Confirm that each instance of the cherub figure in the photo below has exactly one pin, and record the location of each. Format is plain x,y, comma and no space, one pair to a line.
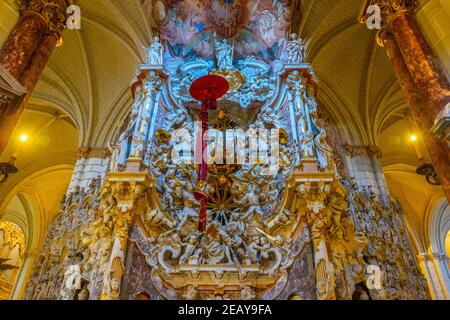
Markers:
190,245
251,203
231,237
336,206
187,212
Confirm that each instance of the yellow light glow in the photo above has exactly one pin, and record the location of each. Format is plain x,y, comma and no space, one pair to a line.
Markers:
24,138
413,138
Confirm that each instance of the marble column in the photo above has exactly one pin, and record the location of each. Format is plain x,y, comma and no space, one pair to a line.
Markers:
430,76
21,43
423,79
27,50
423,115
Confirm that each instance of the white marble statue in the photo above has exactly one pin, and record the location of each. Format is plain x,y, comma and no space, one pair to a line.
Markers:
295,49
324,151
154,52
224,54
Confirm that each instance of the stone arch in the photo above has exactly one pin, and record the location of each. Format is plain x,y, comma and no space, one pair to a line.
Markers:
436,260
31,209
439,226
12,248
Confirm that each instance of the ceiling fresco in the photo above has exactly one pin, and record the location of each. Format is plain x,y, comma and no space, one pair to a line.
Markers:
255,27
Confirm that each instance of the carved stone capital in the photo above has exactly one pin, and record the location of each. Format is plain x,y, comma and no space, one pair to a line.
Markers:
363,151
374,151
83,152
52,11
126,188
389,9
431,256
88,152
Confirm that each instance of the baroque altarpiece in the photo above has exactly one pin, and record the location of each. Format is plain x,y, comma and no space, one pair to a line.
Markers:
295,228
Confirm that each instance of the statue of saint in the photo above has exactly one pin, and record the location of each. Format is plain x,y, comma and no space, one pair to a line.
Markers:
295,49
126,137
323,150
154,52
224,54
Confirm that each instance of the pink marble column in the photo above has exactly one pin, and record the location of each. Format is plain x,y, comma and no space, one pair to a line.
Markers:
423,79
429,75
27,50
423,113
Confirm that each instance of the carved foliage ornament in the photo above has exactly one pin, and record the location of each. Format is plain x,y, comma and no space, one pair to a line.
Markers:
388,8
52,11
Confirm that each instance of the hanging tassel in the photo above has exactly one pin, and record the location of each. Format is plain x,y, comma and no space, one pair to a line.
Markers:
202,215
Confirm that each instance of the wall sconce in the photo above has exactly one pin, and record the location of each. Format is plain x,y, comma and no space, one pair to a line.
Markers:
7,168
425,169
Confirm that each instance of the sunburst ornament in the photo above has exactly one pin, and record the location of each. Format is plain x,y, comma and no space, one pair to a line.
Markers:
234,77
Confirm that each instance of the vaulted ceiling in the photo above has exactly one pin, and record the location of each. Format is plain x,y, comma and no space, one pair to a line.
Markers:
84,90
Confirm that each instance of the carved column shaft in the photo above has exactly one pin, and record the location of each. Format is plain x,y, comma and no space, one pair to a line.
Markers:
92,163
116,265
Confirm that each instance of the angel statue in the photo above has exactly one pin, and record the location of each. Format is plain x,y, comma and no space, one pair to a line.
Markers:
154,52
295,49
224,54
